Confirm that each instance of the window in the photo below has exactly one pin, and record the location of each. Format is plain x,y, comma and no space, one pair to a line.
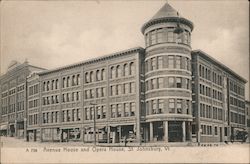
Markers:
52,84
187,84
103,74
92,113
77,79
126,70
48,85
178,82
154,83
178,62
98,75
126,88
68,82
170,61
179,106
127,110
104,112
171,106
73,81
153,37
132,68
170,36
119,110
160,82
103,92
171,82
113,111
87,113
215,130
91,76
87,77
132,109
98,108
153,63
119,89
160,62
118,71
160,104
132,87
160,36
91,93
154,106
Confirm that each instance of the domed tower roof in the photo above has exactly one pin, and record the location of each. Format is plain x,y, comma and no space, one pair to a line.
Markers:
166,14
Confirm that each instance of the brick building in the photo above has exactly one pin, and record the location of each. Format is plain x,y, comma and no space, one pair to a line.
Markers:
13,98
164,92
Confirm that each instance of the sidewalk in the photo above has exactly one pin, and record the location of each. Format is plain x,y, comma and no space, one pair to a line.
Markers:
14,142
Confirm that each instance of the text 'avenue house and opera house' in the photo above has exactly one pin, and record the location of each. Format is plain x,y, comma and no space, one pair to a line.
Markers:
164,92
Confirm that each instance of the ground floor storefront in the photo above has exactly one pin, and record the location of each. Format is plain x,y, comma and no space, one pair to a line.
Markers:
154,131
167,131
13,129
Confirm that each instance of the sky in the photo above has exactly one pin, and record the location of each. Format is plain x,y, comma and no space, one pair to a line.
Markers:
55,33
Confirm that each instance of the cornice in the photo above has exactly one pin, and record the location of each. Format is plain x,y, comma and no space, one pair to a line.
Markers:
95,60
165,20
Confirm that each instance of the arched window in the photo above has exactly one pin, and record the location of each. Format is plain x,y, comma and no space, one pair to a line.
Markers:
64,82
118,71
52,84
48,86
56,87
132,68
73,80
98,75
68,81
103,74
44,86
203,72
86,77
113,73
126,70
91,76
78,79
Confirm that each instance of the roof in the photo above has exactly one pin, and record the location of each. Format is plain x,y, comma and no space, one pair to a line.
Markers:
166,11
167,14
219,64
90,61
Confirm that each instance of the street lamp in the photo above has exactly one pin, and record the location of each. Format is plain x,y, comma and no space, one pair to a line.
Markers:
94,104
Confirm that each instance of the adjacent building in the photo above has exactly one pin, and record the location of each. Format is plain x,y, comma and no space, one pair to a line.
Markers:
162,93
248,119
13,98
218,100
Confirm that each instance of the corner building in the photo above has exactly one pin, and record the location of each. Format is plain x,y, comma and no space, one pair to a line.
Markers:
168,94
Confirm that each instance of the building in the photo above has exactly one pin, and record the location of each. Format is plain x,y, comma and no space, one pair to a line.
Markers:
218,100
13,98
162,93
248,119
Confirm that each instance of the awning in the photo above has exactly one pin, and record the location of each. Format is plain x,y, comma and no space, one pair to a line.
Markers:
3,127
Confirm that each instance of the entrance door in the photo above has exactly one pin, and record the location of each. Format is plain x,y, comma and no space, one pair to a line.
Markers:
175,131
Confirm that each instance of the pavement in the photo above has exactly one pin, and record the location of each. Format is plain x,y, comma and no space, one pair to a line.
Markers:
19,151
13,142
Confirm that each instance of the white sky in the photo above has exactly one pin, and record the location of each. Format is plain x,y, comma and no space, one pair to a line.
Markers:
56,33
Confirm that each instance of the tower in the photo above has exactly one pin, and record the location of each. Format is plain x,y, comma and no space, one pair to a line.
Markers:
168,76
